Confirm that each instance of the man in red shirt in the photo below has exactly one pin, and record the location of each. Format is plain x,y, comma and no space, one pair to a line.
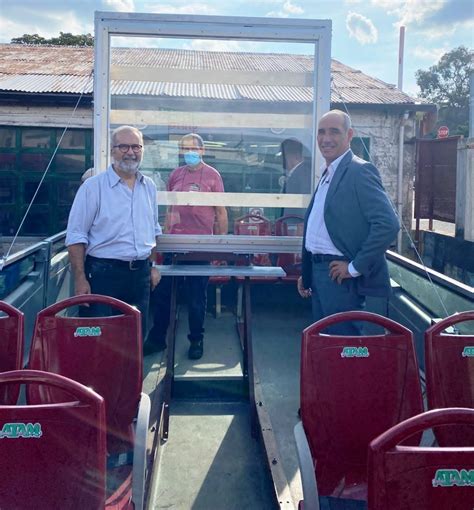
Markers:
194,176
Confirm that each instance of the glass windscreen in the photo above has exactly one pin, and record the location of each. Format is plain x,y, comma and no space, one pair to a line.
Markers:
250,102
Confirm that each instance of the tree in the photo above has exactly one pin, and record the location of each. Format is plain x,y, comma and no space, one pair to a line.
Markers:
447,85
64,39
29,39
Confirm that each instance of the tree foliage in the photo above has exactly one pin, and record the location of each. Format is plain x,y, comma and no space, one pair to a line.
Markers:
64,39
447,85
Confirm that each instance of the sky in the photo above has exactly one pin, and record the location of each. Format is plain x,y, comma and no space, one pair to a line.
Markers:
365,33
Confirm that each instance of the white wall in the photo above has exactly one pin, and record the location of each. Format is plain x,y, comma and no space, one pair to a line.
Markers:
383,129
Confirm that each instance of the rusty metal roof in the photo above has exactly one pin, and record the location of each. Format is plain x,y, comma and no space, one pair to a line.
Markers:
67,70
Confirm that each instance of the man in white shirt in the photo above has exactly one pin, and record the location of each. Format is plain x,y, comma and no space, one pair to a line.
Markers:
113,227
349,225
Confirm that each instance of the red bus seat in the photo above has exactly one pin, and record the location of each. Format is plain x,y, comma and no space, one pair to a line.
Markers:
255,225
353,389
11,348
449,360
52,455
291,225
422,478
104,353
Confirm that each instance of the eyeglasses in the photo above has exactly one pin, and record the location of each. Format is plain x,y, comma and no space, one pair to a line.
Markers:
125,147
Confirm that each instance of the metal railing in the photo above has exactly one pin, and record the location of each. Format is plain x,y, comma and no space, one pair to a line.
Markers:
40,275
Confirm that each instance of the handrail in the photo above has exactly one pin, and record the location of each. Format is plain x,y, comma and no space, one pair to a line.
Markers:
15,257
439,278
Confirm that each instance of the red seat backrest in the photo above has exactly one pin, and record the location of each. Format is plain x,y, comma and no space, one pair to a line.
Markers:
449,361
104,353
291,225
11,348
52,455
421,478
254,225
352,390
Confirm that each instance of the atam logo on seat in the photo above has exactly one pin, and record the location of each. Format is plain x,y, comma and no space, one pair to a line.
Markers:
468,351
18,430
454,478
88,331
355,352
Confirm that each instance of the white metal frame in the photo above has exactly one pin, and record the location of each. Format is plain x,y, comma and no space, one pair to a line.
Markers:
107,24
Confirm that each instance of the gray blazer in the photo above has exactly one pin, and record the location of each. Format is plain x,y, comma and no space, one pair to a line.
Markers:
361,223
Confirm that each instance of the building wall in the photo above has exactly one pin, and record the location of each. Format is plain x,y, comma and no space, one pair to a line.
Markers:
45,116
383,129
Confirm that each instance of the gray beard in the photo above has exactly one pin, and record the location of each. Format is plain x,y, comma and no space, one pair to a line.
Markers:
128,166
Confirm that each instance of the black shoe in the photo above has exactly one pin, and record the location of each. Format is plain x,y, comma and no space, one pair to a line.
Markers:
152,347
195,350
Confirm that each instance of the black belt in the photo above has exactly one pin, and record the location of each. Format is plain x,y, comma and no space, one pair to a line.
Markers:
132,265
323,257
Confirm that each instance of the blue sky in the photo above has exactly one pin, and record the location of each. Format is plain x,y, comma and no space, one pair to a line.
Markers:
365,32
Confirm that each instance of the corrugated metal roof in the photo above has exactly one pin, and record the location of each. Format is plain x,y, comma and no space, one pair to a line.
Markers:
47,83
67,70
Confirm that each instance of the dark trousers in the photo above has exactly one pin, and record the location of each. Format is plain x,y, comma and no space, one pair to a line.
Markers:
329,297
118,281
194,288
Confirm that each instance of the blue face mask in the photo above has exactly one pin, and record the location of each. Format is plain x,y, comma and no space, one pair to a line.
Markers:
192,158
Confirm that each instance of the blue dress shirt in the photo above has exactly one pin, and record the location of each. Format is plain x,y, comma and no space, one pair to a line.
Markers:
112,220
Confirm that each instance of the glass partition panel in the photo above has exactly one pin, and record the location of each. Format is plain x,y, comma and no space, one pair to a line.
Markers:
70,163
32,162
72,139
7,162
37,138
42,194
7,138
252,104
7,190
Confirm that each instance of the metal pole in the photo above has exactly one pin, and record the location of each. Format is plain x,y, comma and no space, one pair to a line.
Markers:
401,138
401,49
471,105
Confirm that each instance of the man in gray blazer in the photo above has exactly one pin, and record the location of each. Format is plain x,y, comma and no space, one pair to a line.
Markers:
297,166
349,225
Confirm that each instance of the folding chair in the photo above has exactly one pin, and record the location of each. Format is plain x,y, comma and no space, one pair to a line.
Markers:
11,347
449,360
52,455
104,353
352,389
422,478
290,225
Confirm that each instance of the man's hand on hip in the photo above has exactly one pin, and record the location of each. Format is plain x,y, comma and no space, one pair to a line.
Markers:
338,270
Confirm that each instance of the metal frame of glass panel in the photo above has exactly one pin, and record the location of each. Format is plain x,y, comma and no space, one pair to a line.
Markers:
108,24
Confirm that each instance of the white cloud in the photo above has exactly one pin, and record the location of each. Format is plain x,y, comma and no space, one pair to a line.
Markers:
361,28
291,8
214,45
287,9
195,8
48,26
430,54
410,11
10,29
437,32
121,5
